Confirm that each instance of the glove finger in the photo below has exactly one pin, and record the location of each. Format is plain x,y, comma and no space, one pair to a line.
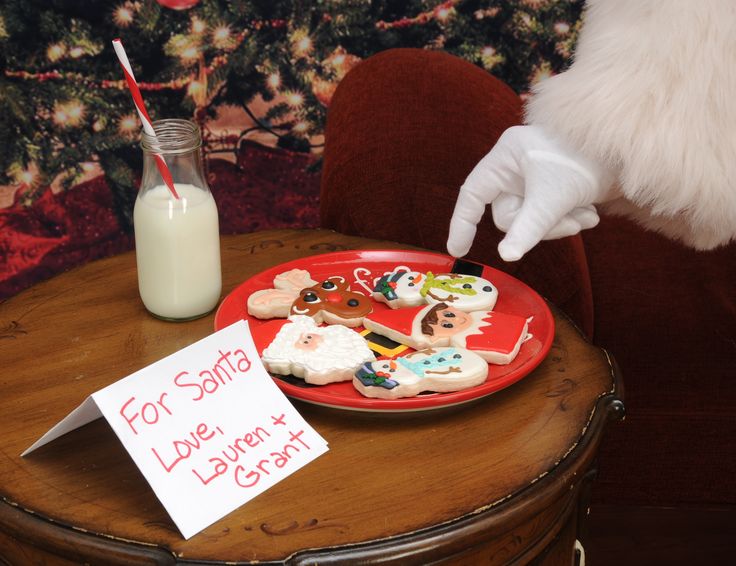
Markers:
577,220
531,224
567,226
461,236
497,171
506,207
484,183
586,216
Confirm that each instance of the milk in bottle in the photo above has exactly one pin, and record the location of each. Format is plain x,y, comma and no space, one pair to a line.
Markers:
177,240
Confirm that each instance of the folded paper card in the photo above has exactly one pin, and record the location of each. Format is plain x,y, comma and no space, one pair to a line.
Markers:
207,427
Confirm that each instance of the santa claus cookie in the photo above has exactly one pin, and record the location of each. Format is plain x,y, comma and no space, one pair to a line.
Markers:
494,336
319,355
276,302
434,369
332,302
412,288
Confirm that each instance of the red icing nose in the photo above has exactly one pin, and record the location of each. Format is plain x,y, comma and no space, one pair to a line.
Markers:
334,298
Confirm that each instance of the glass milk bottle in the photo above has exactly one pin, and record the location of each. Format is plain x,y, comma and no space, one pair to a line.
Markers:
177,240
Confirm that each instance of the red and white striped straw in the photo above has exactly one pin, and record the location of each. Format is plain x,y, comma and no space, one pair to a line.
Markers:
142,113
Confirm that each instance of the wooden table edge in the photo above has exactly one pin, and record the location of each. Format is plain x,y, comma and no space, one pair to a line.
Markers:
468,530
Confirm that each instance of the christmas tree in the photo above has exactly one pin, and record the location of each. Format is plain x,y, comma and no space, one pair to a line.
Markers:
65,110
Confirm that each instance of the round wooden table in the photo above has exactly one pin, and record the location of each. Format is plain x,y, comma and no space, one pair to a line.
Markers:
502,480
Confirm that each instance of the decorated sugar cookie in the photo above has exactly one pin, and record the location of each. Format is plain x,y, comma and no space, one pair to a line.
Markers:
434,369
319,355
276,302
293,280
412,288
495,336
400,289
294,292
463,292
331,302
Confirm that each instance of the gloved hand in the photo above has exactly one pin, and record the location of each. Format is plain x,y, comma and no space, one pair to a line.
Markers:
539,189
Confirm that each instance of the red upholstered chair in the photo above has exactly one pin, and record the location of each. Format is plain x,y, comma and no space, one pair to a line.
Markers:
404,129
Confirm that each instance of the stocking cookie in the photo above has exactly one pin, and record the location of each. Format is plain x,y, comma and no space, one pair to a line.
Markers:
331,302
319,355
494,336
440,370
276,302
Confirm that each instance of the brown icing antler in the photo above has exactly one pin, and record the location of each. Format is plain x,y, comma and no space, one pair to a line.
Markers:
276,302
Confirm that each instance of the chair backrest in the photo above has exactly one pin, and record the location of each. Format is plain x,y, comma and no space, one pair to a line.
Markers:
404,129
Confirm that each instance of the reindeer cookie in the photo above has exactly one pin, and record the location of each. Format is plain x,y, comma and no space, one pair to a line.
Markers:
434,369
331,302
296,293
276,302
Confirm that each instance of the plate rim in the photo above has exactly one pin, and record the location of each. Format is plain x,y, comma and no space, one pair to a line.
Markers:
420,403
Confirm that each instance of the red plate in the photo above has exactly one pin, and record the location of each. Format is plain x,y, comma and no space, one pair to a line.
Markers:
361,268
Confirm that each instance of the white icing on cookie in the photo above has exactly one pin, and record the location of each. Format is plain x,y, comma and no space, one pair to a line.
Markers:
276,302
440,370
400,289
319,355
270,303
464,292
293,280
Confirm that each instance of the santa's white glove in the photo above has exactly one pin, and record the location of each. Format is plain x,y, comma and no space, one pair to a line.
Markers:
540,189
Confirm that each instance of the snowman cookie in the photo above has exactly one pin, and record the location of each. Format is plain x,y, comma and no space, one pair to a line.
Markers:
434,369
400,289
463,292
412,288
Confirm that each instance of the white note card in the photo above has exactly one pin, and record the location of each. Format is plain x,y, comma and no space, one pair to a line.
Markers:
207,427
